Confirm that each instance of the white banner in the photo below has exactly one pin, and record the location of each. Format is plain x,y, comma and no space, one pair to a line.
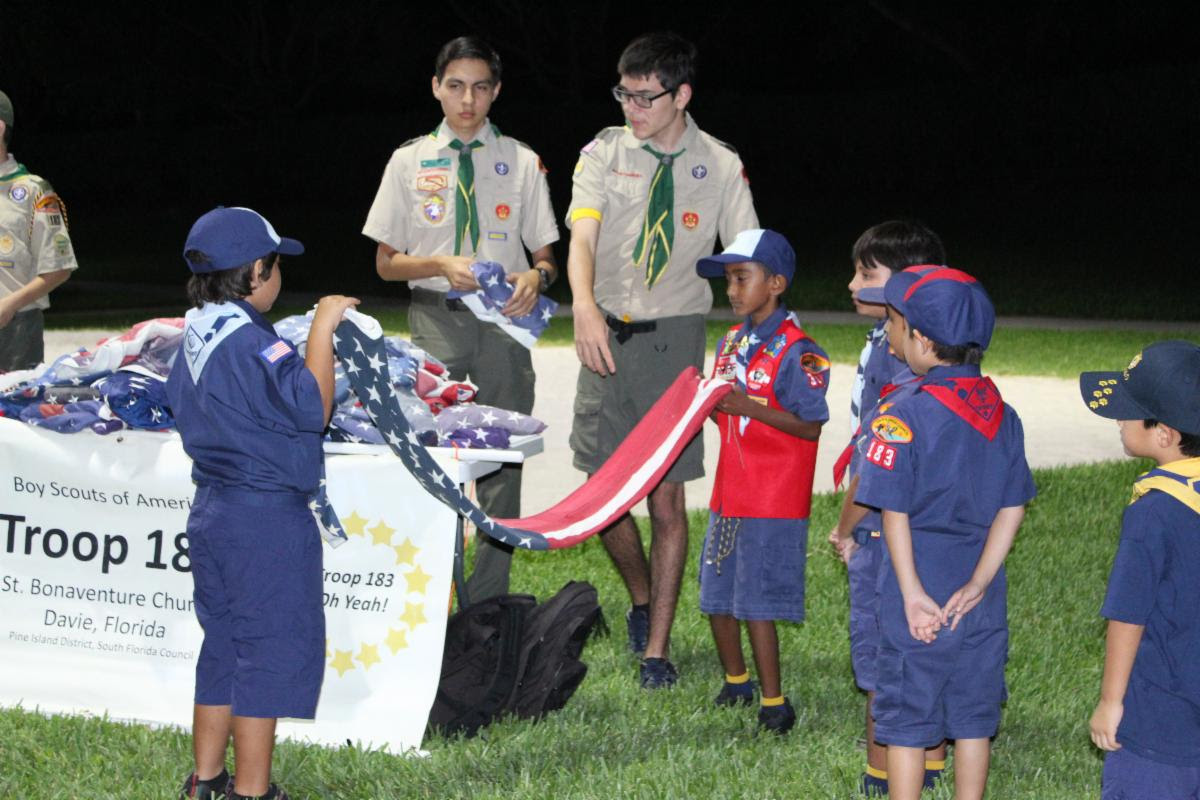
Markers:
96,598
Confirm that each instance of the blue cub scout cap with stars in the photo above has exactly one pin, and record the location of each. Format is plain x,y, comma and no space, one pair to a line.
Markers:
1162,382
231,237
765,247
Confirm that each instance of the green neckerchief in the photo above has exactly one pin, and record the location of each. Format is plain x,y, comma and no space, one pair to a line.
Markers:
466,216
1180,479
20,171
658,227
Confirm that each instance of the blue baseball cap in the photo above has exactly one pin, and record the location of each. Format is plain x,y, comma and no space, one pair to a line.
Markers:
1162,382
231,237
766,247
902,280
947,305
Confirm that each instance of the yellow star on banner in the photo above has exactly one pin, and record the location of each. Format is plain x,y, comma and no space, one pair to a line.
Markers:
414,614
354,524
417,579
381,533
368,655
342,662
406,551
397,640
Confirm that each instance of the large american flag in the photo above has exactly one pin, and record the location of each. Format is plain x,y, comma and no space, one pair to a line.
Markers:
628,476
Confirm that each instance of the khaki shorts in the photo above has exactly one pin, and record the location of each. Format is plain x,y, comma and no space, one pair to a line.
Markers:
607,408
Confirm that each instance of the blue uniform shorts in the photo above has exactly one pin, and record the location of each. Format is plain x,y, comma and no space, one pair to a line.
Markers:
257,570
863,572
752,568
1128,776
950,689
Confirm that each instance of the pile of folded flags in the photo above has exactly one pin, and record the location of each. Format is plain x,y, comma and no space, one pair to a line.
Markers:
119,384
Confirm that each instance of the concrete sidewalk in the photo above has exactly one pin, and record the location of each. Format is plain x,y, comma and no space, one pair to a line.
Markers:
1058,428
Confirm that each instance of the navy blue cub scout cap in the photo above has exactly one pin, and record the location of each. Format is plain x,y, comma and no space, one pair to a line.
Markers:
231,237
1162,382
947,305
766,247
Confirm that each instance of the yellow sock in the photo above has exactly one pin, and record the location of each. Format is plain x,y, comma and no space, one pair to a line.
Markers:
738,679
935,765
768,702
881,774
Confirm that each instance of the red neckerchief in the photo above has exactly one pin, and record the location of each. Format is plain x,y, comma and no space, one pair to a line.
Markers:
976,401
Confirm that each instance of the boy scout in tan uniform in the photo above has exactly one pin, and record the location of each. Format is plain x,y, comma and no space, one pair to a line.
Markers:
35,253
649,200
461,194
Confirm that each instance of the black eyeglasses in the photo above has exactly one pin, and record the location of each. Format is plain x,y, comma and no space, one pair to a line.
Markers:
622,96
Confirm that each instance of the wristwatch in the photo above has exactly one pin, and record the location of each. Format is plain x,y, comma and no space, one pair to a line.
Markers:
545,281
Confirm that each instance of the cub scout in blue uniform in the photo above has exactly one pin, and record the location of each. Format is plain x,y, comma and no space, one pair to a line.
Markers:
880,251
862,551
251,413
752,567
1148,717
947,468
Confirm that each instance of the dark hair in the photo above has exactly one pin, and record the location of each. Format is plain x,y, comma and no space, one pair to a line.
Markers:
897,244
667,55
467,47
227,284
1189,443
953,353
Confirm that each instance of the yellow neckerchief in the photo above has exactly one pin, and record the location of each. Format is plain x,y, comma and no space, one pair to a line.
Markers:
1180,479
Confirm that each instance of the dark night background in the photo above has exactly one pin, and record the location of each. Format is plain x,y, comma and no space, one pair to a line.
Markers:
1053,145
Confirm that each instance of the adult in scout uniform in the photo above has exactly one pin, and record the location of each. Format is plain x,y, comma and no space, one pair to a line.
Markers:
649,199
467,193
35,253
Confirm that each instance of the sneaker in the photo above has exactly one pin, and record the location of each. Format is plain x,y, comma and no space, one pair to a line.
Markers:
273,793
658,673
637,620
870,786
211,789
778,719
735,694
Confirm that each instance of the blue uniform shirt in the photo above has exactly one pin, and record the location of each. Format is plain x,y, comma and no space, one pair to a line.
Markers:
249,411
948,477
800,391
906,384
881,369
1154,583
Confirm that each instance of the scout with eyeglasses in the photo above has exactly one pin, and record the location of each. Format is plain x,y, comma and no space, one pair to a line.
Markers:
649,199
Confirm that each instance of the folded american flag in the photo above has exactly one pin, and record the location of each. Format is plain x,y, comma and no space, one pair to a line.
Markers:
486,304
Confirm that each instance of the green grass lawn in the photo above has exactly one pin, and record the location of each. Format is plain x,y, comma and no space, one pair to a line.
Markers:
614,740
1014,351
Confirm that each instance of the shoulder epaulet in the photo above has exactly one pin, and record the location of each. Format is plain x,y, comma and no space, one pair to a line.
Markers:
519,143
609,133
413,140
726,145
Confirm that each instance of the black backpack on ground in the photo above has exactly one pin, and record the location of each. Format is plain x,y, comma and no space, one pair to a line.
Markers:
509,655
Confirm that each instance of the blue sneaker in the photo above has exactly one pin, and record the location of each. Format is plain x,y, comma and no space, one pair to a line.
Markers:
637,620
658,673
777,719
735,694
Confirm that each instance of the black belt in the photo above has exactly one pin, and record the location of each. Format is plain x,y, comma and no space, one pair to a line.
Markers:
428,297
625,330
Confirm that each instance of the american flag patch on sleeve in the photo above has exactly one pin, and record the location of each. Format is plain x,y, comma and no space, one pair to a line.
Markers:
276,351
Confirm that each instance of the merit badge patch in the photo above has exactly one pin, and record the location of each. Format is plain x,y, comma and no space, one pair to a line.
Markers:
891,429
276,351
880,454
690,219
502,211
501,168
699,171
432,181
813,362
18,193
434,208
776,346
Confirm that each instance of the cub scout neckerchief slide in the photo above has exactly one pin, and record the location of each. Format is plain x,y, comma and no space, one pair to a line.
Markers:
628,476
1180,479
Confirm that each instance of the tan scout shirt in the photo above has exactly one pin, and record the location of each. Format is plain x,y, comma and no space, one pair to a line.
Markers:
612,184
33,231
414,208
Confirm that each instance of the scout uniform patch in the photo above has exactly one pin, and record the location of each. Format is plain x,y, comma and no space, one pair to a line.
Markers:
434,208
891,429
